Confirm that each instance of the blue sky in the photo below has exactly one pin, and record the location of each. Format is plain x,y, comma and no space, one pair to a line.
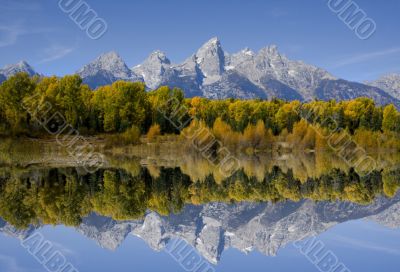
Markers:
39,32
360,245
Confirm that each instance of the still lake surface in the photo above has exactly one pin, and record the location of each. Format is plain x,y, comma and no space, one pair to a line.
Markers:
288,213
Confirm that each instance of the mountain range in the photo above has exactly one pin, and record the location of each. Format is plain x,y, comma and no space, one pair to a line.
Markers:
213,73
215,227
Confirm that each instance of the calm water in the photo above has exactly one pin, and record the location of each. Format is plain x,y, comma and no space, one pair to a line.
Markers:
282,215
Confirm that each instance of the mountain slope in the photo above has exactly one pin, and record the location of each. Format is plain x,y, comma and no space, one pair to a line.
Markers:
269,64
106,69
389,83
12,69
2,78
213,73
154,69
344,90
215,227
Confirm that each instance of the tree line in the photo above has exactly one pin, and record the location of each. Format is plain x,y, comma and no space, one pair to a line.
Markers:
66,195
122,106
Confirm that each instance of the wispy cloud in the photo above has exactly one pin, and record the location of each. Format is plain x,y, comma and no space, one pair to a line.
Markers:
64,250
343,240
366,57
9,33
10,264
55,52
21,5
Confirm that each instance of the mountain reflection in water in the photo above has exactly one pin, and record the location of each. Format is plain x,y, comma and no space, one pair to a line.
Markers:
263,206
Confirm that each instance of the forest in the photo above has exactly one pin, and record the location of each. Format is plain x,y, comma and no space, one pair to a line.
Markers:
39,106
66,195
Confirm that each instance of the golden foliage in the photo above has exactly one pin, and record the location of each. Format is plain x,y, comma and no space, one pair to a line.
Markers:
154,132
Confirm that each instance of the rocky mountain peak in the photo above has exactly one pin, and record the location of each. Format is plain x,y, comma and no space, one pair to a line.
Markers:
272,55
213,42
389,83
106,69
247,51
153,69
213,73
110,62
242,56
271,50
210,58
22,66
214,227
158,57
212,48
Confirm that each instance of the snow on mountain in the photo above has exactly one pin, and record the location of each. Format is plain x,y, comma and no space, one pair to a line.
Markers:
111,62
343,90
389,83
389,217
215,227
154,69
213,73
20,67
268,64
106,69
11,231
210,59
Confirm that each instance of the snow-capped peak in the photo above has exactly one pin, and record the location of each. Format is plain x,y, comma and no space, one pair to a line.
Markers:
12,69
213,45
247,51
214,41
271,52
213,73
211,60
158,56
108,57
272,49
110,62
152,70
389,83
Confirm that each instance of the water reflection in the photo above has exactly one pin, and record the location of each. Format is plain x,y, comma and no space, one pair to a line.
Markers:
214,227
66,195
270,202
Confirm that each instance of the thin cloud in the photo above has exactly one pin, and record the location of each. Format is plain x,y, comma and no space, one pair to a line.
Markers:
366,57
9,33
12,5
366,245
64,250
10,263
56,52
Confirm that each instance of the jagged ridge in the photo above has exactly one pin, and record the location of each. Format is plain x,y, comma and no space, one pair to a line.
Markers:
214,227
211,72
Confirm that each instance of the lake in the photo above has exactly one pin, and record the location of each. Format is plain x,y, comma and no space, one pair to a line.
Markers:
177,212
